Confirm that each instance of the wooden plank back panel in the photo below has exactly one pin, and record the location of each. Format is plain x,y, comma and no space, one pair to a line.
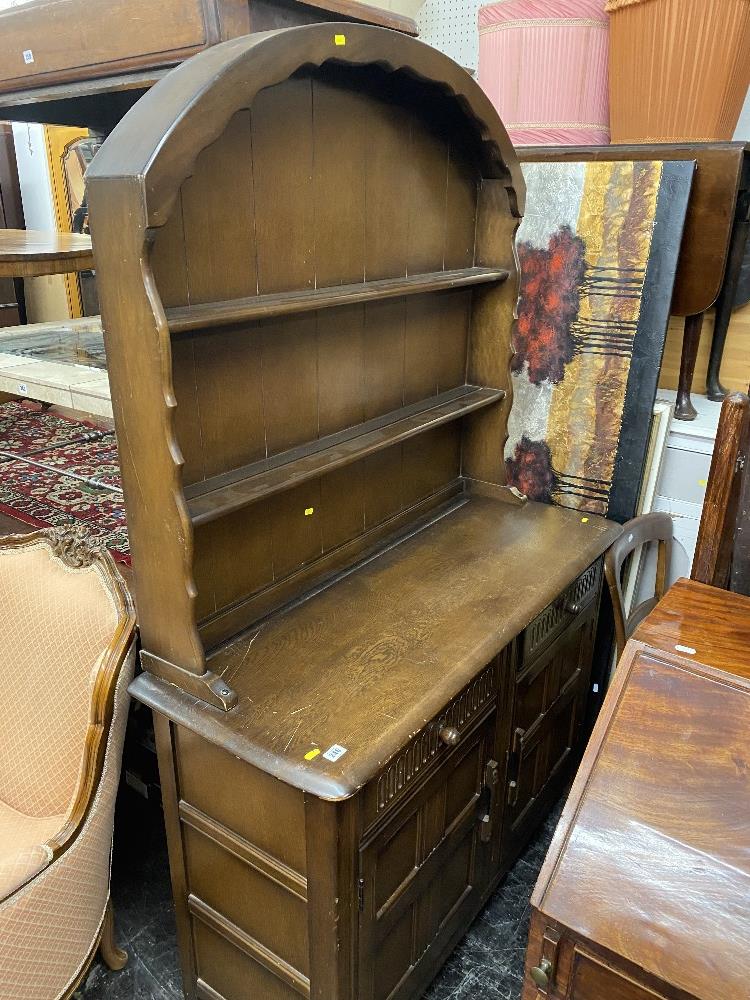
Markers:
243,560
332,197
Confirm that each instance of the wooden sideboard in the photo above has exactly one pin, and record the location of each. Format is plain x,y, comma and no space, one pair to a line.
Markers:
368,657
643,895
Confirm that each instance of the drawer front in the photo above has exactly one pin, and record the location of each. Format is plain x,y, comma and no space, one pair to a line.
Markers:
67,39
557,616
573,972
427,749
592,980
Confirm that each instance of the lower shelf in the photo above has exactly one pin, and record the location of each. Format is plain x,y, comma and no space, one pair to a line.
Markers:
229,492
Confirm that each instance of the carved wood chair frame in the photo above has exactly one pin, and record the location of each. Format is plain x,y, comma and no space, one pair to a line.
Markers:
78,551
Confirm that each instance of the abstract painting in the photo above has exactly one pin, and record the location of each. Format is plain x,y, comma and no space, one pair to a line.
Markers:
598,252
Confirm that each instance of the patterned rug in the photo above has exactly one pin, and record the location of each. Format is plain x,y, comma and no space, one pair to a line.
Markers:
55,470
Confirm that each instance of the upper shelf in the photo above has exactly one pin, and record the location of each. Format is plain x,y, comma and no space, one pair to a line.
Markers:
220,495
209,314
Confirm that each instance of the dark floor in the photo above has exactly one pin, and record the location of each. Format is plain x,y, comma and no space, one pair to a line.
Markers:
487,964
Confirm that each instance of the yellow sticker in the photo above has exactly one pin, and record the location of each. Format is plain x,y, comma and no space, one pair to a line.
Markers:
339,39
702,482
309,511
584,520
312,754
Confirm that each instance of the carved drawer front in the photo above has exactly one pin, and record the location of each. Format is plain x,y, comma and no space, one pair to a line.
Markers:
433,743
557,616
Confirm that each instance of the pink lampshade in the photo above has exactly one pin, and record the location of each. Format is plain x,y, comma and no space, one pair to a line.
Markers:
543,64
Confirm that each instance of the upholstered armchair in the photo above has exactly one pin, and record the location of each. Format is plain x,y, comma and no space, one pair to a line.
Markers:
66,659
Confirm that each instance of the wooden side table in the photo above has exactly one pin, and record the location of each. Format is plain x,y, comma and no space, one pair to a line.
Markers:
643,895
28,253
713,241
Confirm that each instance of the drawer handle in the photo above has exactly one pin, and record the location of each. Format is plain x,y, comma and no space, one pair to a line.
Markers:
449,735
541,973
572,608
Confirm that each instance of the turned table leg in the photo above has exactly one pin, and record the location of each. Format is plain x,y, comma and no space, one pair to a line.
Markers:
684,409
724,303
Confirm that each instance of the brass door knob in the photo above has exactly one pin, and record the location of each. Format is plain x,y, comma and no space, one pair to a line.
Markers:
541,973
449,735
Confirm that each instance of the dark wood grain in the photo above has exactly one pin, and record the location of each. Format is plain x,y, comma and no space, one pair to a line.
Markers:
232,491
197,317
712,562
441,597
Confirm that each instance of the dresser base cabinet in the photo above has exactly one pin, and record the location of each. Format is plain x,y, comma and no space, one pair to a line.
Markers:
281,894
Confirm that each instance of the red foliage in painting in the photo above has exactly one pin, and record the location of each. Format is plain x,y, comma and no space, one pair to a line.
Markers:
550,281
530,470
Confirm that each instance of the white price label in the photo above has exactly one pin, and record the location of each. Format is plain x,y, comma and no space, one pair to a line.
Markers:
22,388
334,752
28,56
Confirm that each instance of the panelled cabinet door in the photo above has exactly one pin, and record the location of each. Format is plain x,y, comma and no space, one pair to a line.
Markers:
549,710
425,871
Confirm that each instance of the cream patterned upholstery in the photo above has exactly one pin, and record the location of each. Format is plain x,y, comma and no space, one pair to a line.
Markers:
58,624
22,845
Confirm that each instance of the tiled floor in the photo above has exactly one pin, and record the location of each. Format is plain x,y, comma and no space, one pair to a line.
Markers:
487,964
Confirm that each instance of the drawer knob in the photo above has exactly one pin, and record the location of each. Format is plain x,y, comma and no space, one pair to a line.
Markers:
572,608
541,973
449,735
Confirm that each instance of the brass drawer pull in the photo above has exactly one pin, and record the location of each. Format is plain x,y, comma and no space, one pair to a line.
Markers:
541,973
449,735
572,608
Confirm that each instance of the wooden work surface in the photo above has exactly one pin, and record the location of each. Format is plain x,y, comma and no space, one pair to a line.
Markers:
713,623
650,865
402,634
28,253
708,225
